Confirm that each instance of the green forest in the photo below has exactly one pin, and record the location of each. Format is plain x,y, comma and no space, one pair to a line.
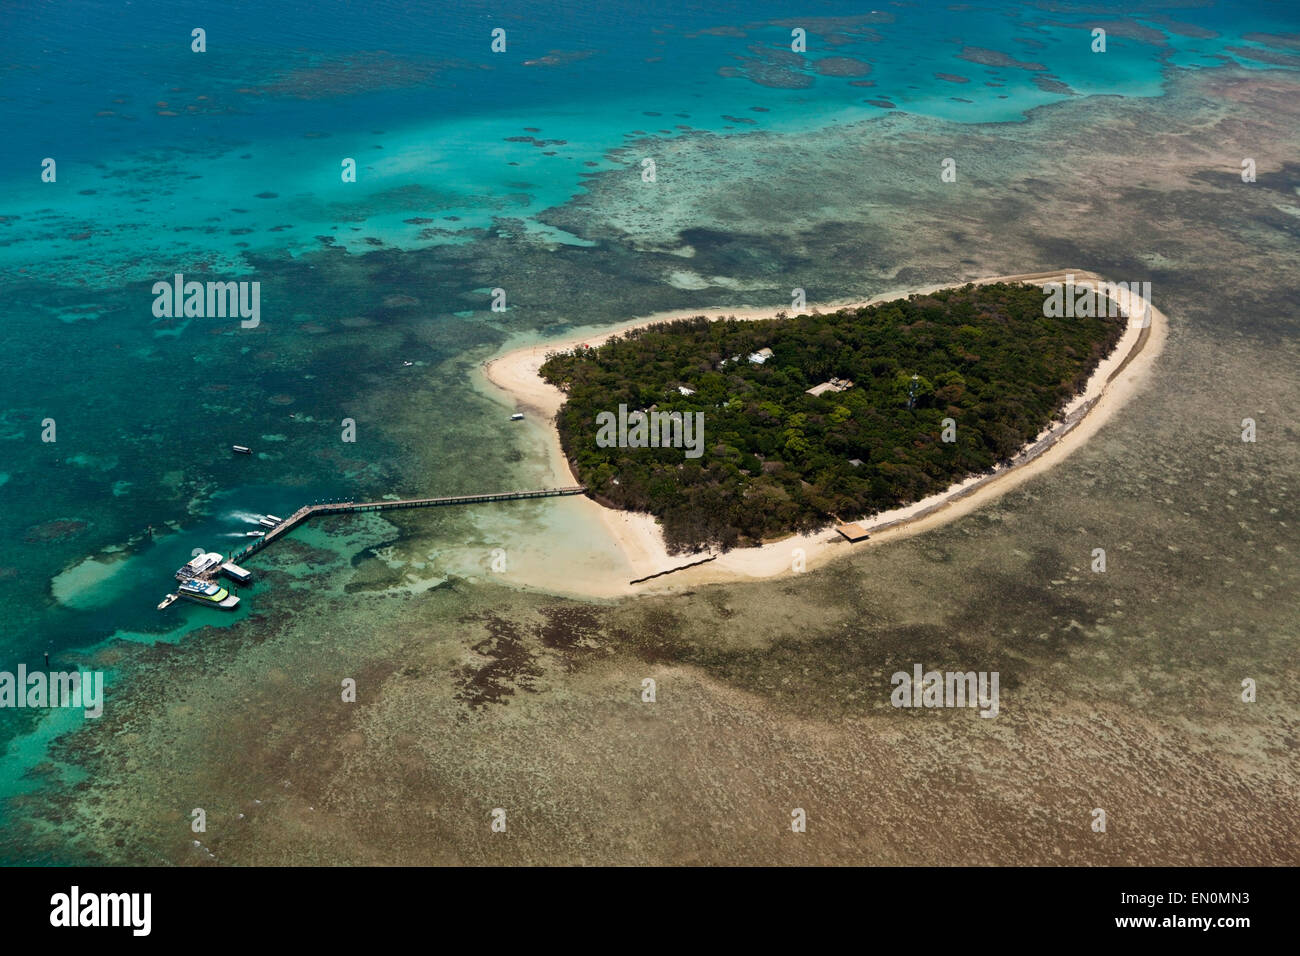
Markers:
777,460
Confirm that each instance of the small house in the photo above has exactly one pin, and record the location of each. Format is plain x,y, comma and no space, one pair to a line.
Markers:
834,385
853,532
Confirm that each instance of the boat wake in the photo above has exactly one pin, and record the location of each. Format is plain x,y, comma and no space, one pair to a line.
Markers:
245,516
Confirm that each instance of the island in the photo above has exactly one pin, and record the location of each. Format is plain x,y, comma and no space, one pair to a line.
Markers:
816,419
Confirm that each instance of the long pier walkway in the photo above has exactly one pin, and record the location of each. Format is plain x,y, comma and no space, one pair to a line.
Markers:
349,507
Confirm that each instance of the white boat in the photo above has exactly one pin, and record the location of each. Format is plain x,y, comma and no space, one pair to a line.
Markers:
517,417
254,534
200,565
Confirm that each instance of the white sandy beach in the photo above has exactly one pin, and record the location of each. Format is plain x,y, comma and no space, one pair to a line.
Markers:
513,378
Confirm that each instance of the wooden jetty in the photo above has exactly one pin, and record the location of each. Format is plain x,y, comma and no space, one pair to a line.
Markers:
354,507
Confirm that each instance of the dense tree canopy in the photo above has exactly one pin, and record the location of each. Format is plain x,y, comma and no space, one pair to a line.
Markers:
777,460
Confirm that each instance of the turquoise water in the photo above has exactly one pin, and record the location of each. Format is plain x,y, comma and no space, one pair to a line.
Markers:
226,165
250,163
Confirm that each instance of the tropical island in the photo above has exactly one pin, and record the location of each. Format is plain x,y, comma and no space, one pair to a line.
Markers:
818,418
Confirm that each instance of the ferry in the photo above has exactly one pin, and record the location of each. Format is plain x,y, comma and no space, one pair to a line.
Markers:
254,534
213,595
200,565
241,449
267,522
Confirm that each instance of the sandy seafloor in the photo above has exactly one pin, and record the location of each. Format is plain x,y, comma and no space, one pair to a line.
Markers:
1119,690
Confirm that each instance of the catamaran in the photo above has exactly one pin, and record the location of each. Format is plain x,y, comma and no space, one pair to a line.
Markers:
214,595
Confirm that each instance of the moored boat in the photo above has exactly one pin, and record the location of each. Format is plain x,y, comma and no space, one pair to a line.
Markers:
213,595
200,565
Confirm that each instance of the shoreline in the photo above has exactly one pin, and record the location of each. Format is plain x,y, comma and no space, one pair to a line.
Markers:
513,375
